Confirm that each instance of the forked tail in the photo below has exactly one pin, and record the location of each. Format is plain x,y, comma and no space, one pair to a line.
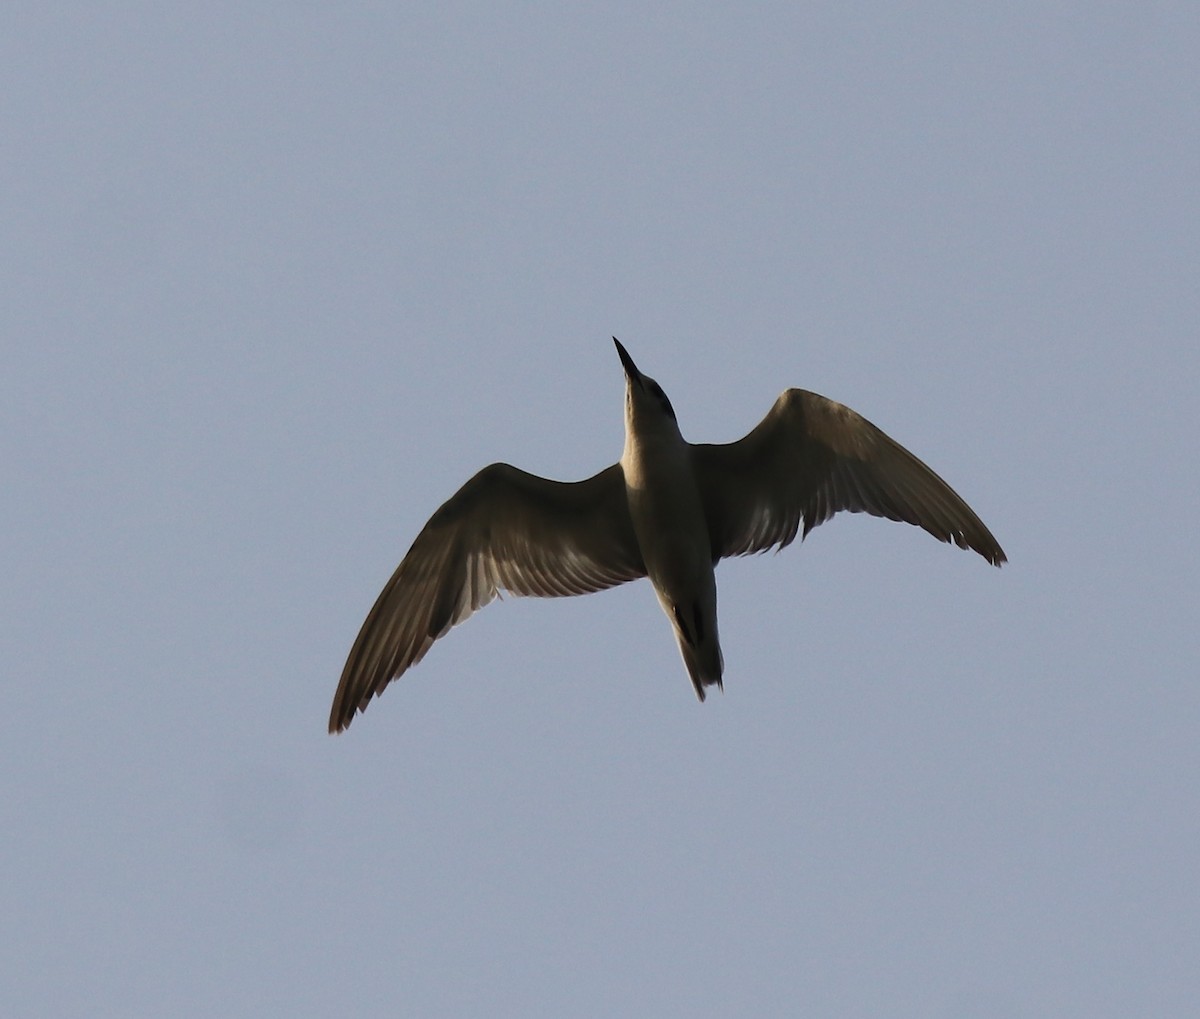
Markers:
699,645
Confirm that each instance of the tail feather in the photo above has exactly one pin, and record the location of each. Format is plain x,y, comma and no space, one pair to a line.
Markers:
704,662
694,620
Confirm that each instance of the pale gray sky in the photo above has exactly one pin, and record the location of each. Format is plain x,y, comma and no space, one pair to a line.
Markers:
277,278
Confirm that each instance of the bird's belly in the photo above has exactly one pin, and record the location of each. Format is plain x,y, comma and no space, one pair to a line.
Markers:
674,541
678,558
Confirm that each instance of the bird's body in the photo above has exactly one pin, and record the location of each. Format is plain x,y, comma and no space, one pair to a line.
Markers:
669,510
672,532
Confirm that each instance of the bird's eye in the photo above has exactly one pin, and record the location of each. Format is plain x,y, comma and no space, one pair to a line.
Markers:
661,397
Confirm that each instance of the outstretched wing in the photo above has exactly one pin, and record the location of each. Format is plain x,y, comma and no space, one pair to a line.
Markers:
811,457
503,530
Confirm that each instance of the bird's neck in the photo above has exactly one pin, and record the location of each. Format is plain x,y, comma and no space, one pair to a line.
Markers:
653,452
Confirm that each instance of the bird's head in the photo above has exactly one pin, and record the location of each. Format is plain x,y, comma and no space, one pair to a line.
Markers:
646,405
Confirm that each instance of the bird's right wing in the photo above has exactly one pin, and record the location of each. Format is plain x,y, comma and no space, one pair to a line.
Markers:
811,457
503,530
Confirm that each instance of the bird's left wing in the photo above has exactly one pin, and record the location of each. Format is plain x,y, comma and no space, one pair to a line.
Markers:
811,457
504,530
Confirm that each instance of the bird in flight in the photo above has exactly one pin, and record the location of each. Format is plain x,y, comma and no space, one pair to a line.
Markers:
668,510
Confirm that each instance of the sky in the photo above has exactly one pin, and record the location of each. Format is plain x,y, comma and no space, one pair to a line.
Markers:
278,278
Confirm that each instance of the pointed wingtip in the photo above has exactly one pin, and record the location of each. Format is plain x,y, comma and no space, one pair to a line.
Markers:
985,545
339,717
